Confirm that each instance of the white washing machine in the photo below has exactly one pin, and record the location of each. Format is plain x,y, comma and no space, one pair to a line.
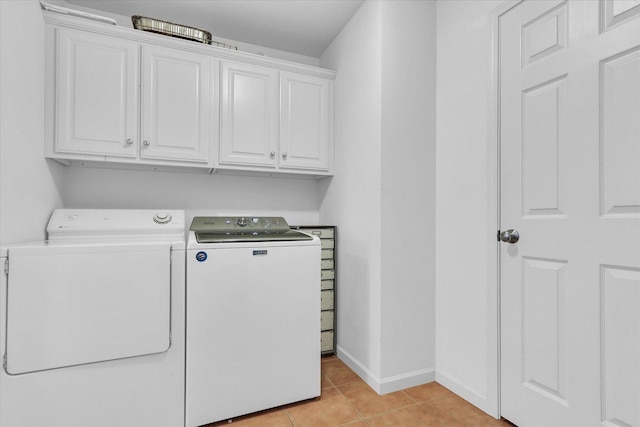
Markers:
253,317
92,322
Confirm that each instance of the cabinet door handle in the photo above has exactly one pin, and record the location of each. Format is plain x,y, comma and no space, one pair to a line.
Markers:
129,141
146,143
284,156
273,154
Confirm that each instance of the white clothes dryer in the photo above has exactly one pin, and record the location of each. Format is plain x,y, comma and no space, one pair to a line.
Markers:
92,326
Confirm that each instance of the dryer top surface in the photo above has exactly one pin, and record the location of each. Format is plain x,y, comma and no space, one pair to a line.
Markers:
116,225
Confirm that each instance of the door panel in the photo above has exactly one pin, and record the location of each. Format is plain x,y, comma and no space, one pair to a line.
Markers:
545,34
249,117
620,313
176,109
97,88
72,305
544,119
615,12
543,326
304,118
620,151
570,184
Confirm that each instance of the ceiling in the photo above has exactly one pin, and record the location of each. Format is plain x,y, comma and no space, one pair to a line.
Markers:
305,27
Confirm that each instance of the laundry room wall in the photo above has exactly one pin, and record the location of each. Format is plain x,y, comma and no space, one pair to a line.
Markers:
353,197
408,190
466,266
297,200
29,184
382,197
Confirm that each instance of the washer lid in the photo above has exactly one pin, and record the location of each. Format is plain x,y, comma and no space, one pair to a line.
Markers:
116,224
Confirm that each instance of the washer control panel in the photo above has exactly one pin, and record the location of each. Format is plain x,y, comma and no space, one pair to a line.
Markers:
239,225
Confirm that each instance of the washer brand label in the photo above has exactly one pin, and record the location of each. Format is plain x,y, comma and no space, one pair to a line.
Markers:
260,252
201,256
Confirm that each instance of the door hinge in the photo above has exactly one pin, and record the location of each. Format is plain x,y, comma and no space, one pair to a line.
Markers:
4,362
6,267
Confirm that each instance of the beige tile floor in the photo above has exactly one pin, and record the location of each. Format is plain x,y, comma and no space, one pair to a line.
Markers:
346,400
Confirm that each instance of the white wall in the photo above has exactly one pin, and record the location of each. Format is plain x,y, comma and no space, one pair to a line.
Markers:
352,200
297,200
385,146
466,277
29,185
408,189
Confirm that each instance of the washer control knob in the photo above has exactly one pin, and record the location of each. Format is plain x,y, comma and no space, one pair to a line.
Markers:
242,222
162,217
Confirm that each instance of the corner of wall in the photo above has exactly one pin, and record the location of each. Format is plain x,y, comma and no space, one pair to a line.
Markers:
390,384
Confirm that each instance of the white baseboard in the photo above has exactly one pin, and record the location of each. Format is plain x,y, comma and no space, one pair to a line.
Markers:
467,393
390,384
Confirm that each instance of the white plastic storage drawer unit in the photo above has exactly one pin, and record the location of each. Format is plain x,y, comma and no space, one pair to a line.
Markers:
327,236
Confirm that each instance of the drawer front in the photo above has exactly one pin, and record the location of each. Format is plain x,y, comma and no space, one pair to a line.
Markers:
326,320
327,253
327,274
326,300
327,264
327,243
323,233
326,341
326,284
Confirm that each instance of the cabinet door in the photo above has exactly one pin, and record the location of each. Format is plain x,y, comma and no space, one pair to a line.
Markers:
97,94
249,115
304,122
176,107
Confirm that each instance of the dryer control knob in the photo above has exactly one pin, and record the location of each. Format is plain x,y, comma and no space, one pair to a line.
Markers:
162,217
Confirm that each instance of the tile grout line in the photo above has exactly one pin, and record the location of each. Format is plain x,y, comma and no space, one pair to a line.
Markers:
362,417
366,419
415,401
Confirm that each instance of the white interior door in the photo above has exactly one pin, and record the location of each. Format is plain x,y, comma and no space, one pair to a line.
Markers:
570,185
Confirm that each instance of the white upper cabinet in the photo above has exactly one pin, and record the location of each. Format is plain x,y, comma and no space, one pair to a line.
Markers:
120,97
249,115
97,95
176,114
275,120
102,115
305,130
